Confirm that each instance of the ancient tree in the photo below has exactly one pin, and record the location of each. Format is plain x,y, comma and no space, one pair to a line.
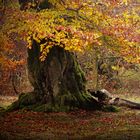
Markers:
54,31
58,81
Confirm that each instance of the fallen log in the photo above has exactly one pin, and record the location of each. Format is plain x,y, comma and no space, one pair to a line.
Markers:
126,103
102,95
106,98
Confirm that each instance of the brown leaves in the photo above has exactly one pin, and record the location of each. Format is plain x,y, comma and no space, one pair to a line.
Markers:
78,123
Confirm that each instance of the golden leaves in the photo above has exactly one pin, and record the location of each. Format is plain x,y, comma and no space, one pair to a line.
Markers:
77,26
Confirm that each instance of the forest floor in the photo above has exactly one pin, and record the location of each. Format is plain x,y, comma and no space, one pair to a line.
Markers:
80,124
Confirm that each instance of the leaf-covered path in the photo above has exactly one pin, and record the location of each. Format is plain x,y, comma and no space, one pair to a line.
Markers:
81,124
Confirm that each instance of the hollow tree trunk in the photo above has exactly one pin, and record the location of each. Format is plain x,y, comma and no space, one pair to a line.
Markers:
59,83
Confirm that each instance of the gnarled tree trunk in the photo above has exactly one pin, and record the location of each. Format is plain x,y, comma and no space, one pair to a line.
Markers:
59,83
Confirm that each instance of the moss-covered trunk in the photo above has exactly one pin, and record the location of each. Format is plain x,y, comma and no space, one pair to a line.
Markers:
59,83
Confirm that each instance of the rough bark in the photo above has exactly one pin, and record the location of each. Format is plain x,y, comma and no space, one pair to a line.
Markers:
59,83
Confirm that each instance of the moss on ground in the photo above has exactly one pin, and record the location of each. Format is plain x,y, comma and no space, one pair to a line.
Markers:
111,108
